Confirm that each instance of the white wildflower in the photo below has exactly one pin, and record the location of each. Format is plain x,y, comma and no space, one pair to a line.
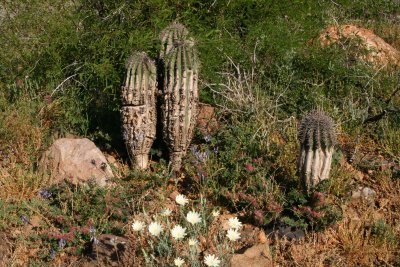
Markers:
155,228
233,234
211,261
234,223
166,212
215,213
178,232
179,262
181,200
137,226
193,242
193,217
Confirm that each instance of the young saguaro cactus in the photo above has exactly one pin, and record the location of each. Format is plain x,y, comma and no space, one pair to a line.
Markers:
317,136
180,92
139,108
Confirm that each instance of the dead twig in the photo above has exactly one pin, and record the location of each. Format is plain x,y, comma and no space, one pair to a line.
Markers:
62,83
381,115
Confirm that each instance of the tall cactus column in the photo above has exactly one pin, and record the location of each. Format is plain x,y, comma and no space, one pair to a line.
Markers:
139,108
317,136
180,91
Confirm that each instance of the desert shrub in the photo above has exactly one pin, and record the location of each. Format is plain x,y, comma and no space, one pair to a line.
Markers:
62,64
79,55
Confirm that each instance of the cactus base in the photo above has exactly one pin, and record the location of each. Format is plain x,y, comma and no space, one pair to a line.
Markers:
141,161
176,160
314,166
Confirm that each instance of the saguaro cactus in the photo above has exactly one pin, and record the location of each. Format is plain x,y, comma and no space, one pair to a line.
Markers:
171,36
139,108
180,91
317,136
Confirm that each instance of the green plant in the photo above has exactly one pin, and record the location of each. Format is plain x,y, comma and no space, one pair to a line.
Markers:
313,212
384,232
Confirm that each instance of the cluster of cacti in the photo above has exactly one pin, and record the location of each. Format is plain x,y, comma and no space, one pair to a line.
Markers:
180,93
317,136
178,82
139,108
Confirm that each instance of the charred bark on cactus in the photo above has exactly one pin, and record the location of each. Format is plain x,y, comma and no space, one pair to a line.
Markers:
317,136
180,91
139,108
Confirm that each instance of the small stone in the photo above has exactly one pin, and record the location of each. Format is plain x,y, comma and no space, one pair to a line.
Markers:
262,238
111,250
173,195
35,221
356,194
256,256
368,192
363,192
111,159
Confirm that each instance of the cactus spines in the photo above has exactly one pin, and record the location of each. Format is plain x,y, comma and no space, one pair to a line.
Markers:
180,97
171,36
139,108
317,136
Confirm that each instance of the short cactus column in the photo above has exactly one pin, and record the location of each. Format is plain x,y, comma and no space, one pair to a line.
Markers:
180,91
317,136
139,108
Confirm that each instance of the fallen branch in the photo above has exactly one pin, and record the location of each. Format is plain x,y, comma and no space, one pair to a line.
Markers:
381,115
62,83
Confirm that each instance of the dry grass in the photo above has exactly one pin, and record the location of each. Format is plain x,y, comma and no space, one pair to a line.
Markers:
22,142
241,97
352,241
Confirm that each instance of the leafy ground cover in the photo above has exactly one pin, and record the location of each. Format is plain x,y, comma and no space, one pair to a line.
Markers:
62,64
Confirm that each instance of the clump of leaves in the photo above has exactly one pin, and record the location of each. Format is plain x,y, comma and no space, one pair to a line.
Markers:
80,213
313,212
384,232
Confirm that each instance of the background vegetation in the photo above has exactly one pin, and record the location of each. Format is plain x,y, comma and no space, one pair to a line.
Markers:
62,65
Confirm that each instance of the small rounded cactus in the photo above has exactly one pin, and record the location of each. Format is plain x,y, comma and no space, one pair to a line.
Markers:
317,136
180,91
139,108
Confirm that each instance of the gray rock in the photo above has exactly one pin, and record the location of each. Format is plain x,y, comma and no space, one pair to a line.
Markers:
363,192
75,160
